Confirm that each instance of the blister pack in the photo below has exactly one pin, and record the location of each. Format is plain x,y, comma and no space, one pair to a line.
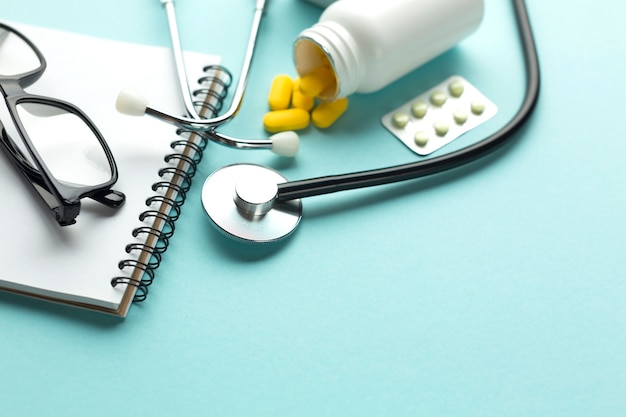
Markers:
439,115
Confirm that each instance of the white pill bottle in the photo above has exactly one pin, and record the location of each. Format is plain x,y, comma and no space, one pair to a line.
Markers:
372,43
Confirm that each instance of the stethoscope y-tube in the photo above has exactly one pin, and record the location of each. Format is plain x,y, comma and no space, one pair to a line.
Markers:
324,185
131,103
195,122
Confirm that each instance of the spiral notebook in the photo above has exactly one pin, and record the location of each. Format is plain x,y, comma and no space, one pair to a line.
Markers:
108,258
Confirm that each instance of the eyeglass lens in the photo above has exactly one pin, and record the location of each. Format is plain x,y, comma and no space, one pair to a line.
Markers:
66,144
16,56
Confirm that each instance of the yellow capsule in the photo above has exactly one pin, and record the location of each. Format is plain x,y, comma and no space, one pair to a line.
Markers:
316,82
328,112
280,92
299,100
283,120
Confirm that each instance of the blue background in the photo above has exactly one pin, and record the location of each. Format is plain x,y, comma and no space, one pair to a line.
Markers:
494,290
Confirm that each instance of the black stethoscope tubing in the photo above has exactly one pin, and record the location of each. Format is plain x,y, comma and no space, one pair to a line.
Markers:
292,190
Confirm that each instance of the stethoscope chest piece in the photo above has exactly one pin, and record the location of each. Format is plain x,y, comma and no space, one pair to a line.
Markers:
240,201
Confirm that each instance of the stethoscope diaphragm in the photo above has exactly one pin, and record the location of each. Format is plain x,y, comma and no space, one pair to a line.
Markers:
240,201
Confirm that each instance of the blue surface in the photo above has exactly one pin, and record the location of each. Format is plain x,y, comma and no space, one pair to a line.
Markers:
496,290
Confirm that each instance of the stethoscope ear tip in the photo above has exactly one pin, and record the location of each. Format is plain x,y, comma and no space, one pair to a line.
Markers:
285,143
131,103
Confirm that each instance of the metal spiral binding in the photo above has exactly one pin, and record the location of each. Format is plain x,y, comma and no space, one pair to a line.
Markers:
188,152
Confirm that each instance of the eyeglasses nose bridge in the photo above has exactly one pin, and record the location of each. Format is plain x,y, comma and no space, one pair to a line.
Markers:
11,87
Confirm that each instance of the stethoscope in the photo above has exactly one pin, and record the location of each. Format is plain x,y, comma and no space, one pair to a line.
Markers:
254,203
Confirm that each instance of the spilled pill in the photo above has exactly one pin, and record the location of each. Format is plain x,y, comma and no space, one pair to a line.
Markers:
316,82
280,92
299,100
288,119
328,112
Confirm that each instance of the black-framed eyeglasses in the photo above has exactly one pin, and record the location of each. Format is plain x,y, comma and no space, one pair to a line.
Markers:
52,142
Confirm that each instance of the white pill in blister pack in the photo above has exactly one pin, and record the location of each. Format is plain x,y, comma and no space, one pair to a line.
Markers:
440,115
